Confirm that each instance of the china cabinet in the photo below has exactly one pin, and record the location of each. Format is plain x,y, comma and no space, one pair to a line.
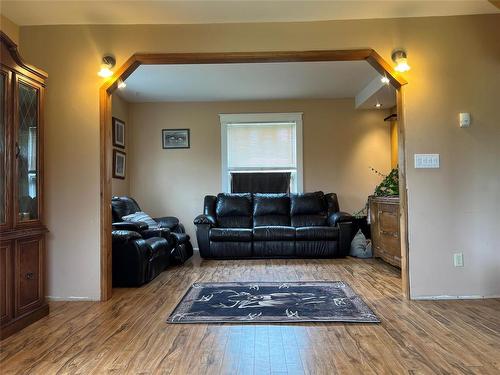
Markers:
22,232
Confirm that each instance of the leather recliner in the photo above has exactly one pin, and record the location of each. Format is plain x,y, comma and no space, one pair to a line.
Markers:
137,260
167,227
273,225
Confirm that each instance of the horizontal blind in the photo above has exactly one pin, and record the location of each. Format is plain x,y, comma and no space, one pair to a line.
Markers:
261,145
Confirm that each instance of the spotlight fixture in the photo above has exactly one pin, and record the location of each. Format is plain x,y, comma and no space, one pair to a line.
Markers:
108,62
401,60
121,84
378,105
385,80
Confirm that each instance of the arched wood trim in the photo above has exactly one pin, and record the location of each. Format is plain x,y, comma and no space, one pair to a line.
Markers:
138,59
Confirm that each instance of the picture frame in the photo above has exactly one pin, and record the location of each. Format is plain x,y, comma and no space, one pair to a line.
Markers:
118,133
175,138
119,164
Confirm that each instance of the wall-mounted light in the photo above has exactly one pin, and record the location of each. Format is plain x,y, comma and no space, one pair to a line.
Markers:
401,60
121,84
108,62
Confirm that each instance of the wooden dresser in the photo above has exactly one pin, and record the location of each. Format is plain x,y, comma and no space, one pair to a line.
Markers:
22,232
384,224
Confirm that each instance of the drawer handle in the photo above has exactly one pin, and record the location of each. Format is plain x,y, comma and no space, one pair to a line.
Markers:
30,276
387,213
393,234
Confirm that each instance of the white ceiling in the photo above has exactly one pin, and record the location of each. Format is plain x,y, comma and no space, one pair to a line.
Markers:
257,81
48,12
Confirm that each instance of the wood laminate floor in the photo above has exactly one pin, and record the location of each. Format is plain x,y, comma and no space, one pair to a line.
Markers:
128,334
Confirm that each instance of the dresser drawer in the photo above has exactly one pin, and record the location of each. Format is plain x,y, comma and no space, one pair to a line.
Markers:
28,274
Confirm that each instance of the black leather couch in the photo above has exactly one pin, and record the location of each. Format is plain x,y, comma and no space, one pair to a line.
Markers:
142,251
273,225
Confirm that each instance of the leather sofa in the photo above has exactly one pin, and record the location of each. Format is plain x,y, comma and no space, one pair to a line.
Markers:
306,225
167,227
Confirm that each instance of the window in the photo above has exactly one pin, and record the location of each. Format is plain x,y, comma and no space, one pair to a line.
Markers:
262,142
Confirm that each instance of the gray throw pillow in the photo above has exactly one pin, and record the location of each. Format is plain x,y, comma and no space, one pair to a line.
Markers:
360,247
141,216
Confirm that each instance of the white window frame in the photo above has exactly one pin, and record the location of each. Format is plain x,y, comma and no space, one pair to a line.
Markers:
226,119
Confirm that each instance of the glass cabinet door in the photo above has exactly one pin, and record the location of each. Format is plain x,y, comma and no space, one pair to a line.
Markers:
26,152
3,148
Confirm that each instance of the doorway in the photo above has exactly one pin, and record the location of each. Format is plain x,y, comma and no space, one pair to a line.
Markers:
106,91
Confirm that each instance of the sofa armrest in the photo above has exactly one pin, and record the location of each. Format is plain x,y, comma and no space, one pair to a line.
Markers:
156,232
136,226
122,236
339,217
130,258
169,222
205,220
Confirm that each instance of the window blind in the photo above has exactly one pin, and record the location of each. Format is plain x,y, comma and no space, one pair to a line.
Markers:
261,145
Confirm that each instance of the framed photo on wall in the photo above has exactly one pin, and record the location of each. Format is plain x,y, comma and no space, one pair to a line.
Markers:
119,164
175,138
118,133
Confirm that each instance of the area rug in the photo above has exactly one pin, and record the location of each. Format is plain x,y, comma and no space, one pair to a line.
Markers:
272,302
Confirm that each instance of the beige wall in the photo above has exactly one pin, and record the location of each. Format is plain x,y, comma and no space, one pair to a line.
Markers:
339,145
9,28
120,110
455,65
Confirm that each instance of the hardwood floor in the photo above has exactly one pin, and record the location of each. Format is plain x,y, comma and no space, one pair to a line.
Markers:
128,334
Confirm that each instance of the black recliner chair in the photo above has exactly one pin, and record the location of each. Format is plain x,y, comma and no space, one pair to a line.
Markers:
141,251
167,227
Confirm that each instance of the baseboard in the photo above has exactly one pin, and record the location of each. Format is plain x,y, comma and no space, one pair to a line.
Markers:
72,298
447,297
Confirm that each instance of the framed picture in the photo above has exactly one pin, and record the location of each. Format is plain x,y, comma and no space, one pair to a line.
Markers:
175,138
118,133
118,164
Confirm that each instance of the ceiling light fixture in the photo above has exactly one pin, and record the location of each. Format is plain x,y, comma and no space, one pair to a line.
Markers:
385,80
108,62
121,84
401,60
378,105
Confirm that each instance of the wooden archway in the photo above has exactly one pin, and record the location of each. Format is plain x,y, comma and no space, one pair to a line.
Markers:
138,59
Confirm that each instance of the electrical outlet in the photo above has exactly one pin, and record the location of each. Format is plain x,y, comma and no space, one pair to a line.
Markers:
458,259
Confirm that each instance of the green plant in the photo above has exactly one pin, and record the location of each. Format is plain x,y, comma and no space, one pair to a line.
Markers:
389,186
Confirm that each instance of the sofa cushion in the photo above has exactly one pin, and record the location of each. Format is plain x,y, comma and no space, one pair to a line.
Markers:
230,235
122,206
308,210
271,209
234,210
274,233
308,203
317,234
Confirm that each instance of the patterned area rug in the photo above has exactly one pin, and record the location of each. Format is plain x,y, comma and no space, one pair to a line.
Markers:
271,302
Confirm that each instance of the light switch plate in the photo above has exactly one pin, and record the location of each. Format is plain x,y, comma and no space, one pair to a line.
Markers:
426,161
464,119
458,259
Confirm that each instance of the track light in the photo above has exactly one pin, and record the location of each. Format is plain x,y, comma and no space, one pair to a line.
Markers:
401,60
108,62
